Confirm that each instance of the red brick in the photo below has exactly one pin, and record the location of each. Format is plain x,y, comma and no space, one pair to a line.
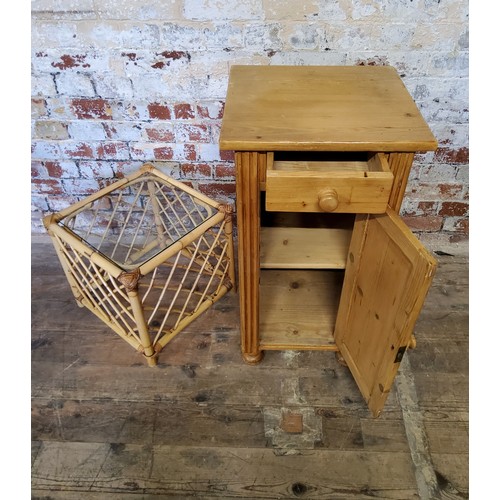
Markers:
160,133
54,169
91,169
423,208
78,150
173,55
196,170
454,208
47,186
71,61
183,111
435,192
213,111
225,170
450,190
448,155
189,152
82,186
158,65
123,168
192,132
372,61
424,223
227,155
88,109
180,152
459,237
103,183
112,151
217,190
462,226
159,111
37,169
163,153
131,56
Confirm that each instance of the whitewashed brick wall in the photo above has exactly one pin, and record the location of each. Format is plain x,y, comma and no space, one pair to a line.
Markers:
115,83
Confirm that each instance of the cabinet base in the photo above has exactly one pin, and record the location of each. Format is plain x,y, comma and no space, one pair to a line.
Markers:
252,359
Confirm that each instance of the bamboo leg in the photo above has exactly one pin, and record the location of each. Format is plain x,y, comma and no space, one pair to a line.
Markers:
72,282
142,327
248,216
130,281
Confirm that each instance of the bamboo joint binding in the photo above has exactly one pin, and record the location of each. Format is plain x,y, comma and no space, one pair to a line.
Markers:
130,279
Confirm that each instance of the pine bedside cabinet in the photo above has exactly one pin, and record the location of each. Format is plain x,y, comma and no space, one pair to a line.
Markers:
325,262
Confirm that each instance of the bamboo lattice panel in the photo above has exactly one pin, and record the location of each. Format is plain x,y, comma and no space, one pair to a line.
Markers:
147,255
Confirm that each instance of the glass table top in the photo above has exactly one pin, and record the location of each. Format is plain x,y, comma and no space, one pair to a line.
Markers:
134,223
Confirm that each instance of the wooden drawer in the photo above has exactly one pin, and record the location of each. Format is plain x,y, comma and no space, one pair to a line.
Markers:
327,182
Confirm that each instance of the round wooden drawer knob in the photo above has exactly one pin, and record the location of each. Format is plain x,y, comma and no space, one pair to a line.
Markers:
328,200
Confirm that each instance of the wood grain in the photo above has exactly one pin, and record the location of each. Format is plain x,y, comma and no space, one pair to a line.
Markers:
248,215
304,248
386,289
224,472
354,186
105,426
328,108
298,309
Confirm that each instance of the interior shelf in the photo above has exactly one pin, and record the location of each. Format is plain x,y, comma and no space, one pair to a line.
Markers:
304,248
298,308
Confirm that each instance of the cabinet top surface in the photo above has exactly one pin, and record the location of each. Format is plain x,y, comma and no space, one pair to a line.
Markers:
331,108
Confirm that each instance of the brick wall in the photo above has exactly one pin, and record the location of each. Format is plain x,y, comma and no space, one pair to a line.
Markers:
116,83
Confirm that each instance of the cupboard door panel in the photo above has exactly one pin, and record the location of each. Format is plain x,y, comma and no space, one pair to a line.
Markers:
387,277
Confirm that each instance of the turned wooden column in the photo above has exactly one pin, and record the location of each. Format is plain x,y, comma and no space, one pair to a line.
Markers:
248,218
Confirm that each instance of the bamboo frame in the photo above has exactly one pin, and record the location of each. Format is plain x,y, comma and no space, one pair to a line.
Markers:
147,255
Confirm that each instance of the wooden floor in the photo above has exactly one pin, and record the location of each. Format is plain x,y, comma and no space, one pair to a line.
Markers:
203,424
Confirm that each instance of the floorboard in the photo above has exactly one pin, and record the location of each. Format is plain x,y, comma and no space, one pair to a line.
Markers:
204,424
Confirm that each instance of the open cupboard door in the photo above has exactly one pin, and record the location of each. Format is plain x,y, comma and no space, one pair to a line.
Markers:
387,277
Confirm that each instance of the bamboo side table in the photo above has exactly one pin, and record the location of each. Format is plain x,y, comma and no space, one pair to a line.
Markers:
147,255
322,157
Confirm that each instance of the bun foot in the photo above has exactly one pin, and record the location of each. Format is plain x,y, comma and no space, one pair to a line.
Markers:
252,359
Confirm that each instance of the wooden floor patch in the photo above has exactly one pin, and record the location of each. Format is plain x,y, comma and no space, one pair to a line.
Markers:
292,422
290,431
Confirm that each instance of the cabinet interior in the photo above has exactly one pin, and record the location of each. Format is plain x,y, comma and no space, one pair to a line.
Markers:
302,262
321,161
